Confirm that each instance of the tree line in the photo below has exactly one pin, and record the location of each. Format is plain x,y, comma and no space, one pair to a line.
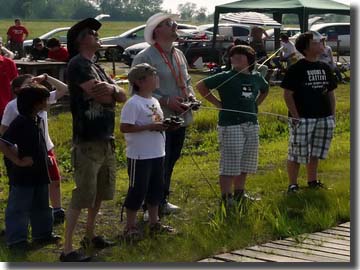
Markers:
126,10
131,10
119,10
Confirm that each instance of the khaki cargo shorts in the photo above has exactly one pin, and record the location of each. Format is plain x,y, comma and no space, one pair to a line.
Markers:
94,173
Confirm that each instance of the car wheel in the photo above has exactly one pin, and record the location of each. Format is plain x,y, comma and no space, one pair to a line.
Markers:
117,54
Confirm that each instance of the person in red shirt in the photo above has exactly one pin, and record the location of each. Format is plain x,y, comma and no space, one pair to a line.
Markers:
8,72
56,51
16,35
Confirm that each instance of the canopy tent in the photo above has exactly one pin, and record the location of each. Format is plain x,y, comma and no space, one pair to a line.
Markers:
303,8
250,18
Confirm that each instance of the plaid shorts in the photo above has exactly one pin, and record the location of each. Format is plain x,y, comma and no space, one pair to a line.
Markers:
311,137
238,148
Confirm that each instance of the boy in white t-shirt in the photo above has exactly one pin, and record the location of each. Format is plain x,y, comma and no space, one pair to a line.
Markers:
141,123
11,112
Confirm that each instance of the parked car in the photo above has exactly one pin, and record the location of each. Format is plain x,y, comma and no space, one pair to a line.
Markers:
334,32
193,44
235,30
59,33
270,41
131,37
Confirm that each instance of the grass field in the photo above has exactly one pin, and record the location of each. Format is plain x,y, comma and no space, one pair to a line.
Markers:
205,227
37,28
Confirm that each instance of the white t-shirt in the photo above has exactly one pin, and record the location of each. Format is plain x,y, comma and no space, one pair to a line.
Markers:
145,144
11,112
327,57
288,48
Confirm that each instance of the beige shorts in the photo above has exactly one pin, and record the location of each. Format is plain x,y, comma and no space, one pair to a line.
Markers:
94,173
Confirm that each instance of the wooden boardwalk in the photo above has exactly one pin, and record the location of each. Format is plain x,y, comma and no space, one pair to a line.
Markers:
332,245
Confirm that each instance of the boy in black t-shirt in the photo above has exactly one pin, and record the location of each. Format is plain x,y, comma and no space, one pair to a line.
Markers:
24,145
309,95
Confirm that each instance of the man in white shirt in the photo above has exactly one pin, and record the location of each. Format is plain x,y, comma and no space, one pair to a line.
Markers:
288,53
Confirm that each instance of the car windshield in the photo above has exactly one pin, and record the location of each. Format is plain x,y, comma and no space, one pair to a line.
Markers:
132,30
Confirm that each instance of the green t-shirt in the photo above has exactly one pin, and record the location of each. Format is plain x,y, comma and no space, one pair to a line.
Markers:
239,93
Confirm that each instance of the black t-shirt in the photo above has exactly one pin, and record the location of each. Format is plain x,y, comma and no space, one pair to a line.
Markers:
39,54
28,135
92,121
311,82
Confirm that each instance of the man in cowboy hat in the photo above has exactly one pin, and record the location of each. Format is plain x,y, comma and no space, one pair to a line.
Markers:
93,95
175,88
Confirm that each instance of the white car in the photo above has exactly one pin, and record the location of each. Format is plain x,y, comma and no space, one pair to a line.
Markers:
270,41
59,33
334,32
234,30
131,37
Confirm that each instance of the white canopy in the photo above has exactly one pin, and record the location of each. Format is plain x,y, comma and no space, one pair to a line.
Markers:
250,18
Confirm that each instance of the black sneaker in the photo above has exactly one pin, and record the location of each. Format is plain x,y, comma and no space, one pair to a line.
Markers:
315,184
74,256
59,216
293,188
157,228
132,234
98,242
19,246
244,197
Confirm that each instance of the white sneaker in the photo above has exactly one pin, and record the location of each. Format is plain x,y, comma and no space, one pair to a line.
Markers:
146,216
169,208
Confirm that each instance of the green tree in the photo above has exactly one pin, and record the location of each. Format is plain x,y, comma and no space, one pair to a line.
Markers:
187,10
200,14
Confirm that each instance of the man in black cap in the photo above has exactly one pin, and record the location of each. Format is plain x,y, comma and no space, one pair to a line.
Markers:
93,95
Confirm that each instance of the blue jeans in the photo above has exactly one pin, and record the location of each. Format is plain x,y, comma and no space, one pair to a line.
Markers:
173,146
28,204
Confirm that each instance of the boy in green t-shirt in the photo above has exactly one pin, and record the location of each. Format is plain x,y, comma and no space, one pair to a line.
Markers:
242,90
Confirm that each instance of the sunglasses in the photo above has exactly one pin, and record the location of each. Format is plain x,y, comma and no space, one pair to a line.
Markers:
171,23
92,33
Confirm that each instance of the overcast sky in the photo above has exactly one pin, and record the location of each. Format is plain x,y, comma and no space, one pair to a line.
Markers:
209,4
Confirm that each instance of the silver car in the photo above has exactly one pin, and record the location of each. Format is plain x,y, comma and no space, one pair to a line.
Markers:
131,37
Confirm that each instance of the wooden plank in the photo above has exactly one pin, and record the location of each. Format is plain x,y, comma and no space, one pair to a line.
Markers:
347,225
321,243
345,243
265,256
337,232
291,254
342,229
319,247
333,236
235,258
210,260
307,251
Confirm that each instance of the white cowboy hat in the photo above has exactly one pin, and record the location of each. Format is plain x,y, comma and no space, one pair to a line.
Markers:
152,23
